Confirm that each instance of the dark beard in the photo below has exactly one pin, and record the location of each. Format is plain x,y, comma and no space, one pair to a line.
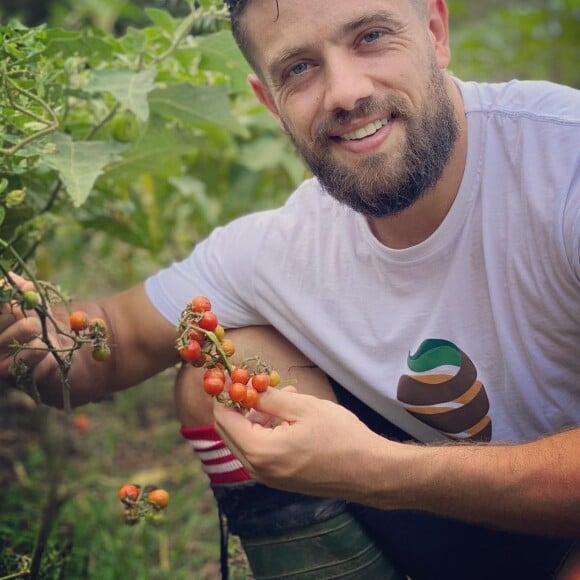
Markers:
381,186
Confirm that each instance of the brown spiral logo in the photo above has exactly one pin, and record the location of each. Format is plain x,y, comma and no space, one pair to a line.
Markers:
444,392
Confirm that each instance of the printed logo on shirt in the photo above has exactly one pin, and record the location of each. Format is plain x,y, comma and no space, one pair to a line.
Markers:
443,392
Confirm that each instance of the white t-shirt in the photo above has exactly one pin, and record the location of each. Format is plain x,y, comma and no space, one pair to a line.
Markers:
473,333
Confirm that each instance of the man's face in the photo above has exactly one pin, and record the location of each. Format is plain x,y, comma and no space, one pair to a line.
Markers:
358,87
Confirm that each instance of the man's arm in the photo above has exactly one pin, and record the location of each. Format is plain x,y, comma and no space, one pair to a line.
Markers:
322,449
141,341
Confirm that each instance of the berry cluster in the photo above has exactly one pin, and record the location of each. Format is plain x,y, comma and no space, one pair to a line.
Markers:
140,502
202,343
94,331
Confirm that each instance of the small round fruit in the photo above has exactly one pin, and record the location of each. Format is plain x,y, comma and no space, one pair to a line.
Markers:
191,351
213,386
101,352
215,372
237,392
129,491
240,375
274,378
219,332
30,299
196,335
125,127
208,321
251,399
228,346
98,328
200,304
78,320
159,498
81,422
261,382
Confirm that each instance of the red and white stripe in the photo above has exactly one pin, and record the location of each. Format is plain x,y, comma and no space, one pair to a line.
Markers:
217,460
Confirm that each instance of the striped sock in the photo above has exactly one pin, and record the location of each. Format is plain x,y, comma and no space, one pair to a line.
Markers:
218,462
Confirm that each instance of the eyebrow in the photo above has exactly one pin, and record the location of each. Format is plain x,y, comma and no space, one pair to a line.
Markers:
382,17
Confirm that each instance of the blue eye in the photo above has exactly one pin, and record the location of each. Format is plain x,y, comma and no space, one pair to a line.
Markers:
372,37
298,69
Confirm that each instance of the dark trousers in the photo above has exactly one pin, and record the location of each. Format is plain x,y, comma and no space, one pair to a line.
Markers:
429,547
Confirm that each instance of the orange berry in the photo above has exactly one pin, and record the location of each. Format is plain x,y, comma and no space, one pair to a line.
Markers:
237,392
159,498
78,320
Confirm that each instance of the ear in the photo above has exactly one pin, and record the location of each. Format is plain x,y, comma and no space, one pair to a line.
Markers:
265,97
438,25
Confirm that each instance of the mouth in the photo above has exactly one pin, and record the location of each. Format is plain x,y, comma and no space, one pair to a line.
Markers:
366,131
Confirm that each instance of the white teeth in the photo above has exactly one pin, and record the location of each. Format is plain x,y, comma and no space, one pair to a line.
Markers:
365,131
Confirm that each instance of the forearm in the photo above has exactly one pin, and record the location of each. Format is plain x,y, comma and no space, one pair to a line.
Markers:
532,487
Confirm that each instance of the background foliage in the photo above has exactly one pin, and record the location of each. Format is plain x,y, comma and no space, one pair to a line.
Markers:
127,133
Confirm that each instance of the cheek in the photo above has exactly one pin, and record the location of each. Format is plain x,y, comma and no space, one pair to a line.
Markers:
301,110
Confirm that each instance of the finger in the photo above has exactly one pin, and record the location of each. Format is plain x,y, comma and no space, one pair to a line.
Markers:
12,308
21,283
285,404
22,331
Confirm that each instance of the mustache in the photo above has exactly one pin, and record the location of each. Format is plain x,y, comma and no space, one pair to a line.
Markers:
389,105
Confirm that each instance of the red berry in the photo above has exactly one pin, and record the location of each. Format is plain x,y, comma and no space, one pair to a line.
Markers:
251,398
78,320
200,304
191,351
237,392
261,382
208,321
129,491
213,385
240,375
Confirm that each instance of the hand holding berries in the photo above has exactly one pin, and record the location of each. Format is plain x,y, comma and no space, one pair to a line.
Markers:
202,343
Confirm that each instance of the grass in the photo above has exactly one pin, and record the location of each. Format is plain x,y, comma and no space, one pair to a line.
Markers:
132,437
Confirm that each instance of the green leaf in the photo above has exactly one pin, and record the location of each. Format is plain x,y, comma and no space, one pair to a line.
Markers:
220,52
196,106
2,214
83,43
162,19
129,88
159,152
79,163
262,153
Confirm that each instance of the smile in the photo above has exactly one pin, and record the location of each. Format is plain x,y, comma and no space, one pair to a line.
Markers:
366,131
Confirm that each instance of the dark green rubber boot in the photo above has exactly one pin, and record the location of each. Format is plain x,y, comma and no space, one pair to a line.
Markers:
296,537
335,548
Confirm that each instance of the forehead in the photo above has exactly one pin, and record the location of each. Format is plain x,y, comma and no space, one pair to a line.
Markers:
273,28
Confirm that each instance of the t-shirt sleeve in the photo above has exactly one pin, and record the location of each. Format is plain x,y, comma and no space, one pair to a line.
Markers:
572,223
219,267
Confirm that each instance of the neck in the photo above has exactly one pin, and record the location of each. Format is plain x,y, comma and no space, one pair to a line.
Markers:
418,222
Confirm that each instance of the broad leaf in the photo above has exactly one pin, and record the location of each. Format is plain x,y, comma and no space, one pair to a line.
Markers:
130,89
196,106
160,151
220,52
79,163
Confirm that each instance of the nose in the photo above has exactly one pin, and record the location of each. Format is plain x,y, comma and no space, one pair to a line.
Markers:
346,83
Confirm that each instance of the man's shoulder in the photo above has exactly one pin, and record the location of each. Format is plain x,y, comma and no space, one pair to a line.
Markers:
533,99
306,205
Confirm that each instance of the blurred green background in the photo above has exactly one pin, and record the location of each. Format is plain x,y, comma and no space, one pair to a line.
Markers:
141,216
